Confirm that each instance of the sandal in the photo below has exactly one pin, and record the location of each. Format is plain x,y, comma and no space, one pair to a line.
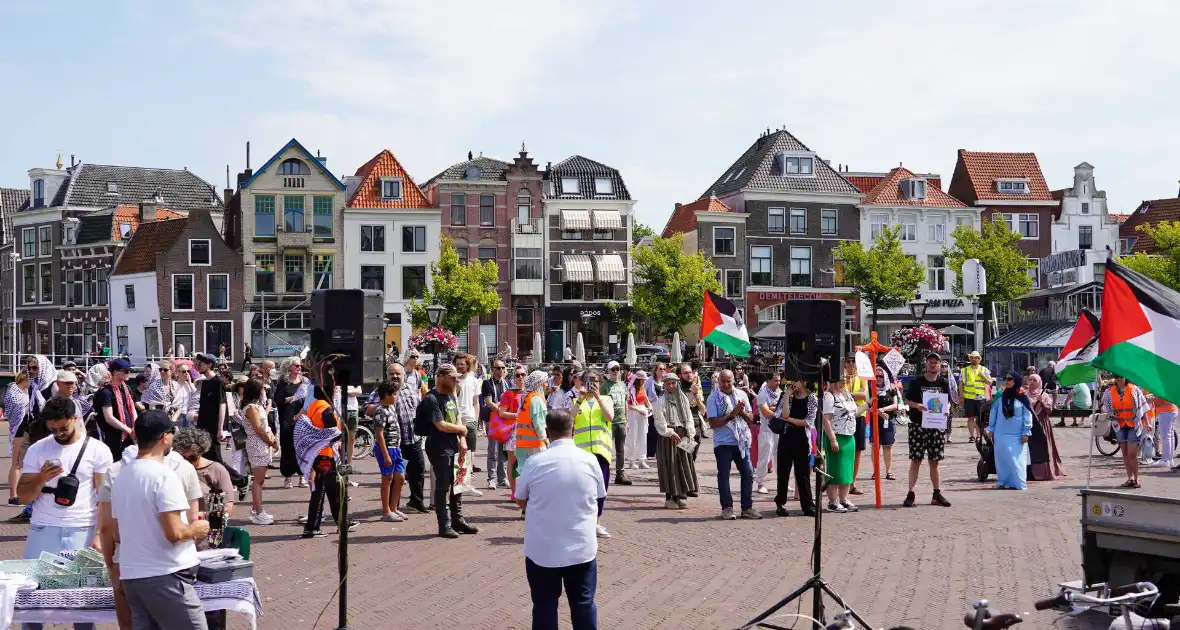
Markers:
1135,484
1127,484
890,476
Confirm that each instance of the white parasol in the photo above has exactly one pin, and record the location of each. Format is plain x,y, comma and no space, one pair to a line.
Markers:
580,350
676,358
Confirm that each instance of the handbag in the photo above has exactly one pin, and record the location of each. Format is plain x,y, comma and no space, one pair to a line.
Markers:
778,426
237,431
501,429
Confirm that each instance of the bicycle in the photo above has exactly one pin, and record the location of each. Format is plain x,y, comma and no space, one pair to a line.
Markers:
1119,603
980,617
1108,444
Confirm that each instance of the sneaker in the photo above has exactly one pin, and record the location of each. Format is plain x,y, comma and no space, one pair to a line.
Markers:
670,504
836,507
751,514
909,499
14,501
261,518
417,507
693,494
476,469
319,533
352,525
302,482
463,527
763,490
288,484
392,517
642,464
850,506
468,491
601,532
621,480
781,511
302,519
448,533
405,517
938,499
491,485
728,515
353,484
682,504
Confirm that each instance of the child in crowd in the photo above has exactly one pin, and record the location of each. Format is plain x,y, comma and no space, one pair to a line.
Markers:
389,454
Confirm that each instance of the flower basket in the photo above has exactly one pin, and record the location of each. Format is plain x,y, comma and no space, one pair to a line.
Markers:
426,340
911,341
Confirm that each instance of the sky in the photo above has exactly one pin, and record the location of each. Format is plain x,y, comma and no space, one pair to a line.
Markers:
670,93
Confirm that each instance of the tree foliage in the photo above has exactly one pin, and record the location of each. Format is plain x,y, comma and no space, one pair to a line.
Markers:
468,290
1164,267
669,288
997,249
624,322
640,230
883,275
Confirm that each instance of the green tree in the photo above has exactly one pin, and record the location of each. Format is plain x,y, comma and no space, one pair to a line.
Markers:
883,275
641,230
669,288
624,323
997,249
1163,267
468,290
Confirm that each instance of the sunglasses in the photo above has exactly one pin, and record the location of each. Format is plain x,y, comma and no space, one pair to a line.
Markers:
520,375
497,367
615,369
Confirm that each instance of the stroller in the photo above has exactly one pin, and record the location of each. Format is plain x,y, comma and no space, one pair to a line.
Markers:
987,455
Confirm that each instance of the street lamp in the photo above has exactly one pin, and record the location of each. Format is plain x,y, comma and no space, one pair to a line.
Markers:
434,314
918,308
15,262
262,297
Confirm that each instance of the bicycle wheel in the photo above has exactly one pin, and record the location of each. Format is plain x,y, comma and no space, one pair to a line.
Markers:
1106,445
364,443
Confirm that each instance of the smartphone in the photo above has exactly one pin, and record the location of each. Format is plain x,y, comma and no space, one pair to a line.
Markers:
54,462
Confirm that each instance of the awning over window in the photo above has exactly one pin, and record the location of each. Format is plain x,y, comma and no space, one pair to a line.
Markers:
575,220
1042,337
577,267
606,220
610,268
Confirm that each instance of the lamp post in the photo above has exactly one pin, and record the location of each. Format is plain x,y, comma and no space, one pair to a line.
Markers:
586,316
262,299
15,261
434,314
918,308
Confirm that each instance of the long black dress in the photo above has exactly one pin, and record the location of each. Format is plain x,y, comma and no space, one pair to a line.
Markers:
288,460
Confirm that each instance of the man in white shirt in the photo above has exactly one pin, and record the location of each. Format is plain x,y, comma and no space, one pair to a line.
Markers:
467,400
768,399
58,477
562,485
150,508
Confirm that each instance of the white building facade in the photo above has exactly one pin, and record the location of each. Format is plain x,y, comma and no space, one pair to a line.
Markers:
1082,232
135,314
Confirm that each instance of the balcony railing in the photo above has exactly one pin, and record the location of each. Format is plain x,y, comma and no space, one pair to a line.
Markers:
527,226
294,181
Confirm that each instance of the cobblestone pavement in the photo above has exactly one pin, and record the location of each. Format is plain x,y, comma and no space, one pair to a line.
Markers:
686,569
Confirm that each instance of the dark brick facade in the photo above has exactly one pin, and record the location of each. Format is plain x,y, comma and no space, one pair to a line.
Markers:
822,260
1032,247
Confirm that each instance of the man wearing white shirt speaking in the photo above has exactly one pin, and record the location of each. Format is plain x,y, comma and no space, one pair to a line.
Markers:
562,486
150,508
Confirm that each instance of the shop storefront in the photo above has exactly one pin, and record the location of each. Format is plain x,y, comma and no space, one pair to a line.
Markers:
599,334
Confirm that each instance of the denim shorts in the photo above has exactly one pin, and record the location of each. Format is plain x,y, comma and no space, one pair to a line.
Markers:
395,456
1127,434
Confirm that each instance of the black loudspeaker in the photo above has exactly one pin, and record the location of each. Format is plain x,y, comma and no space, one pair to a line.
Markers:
814,331
348,326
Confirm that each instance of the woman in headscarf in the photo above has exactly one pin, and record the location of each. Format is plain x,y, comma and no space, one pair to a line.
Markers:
1044,460
1009,426
655,391
530,424
674,422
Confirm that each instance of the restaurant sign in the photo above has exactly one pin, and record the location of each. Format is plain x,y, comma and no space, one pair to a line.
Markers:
1063,260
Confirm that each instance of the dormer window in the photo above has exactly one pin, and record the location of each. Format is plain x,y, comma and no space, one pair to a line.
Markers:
914,188
603,186
1012,186
125,230
112,188
391,189
39,193
785,164
472,172
293,166
569,185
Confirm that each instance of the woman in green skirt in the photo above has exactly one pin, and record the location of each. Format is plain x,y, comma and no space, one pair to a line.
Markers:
839,427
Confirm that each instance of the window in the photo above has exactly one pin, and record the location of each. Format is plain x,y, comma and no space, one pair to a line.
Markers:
321,216
776,220
39,193
909,227
524,202
264,273
112,188
292,166
487,254
413,238
571,291
800,266
46,282
1034,272
198,251
472,172
264,215
413,282
723,238
963,220
129,296
182,292
828,222
293,213
391,189
102,286
125,230
794,165
487,210
936,228
217,291
461,250
373,277
293,267
321,268
528,263
458,209
571,235
183,335
28,237
877,223
798,220
604,235
733,283
29,278
603,186
1085,207
372,238
569,185
760,266
914,188
45,240
1012,187
121,337
936,273
1085,237
1028,225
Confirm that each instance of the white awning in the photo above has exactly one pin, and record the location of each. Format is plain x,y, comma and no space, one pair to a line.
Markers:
577,268
575,220
610,268
606,220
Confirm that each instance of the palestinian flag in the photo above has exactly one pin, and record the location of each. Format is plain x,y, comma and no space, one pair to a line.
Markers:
1139,337
722,327
1073,366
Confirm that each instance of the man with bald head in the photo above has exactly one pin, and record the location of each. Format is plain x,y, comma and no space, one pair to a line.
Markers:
731,416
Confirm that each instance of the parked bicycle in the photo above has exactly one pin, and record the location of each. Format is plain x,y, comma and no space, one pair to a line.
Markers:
1120,603
1107,444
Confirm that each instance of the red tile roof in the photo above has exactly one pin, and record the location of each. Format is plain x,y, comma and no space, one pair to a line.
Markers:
887,192
153,237
1120,218
984,168
684,217
1149,213
130,214
864,183
368,193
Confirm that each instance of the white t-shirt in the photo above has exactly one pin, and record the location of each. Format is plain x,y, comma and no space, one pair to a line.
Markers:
562,485
768,397
95,461
184,471
464,398
142,492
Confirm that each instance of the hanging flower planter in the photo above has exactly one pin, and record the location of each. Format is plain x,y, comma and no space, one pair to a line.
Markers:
426,340
910,341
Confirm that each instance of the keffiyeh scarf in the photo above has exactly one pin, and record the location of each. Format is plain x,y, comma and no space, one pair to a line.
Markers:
309,441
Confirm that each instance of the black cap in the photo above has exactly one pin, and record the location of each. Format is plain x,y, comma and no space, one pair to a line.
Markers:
152,424
934,355
205,357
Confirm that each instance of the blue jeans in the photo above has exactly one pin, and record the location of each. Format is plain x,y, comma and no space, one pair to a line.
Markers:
726,455
56,540
581,580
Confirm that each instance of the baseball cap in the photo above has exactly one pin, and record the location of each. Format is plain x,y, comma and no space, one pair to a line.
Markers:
446,369
119,365
151,424
933,355
66,376
205,357
612,365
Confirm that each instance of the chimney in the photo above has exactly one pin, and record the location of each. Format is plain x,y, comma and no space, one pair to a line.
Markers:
147,208
351,183
228,194
247,155
470,156
678,204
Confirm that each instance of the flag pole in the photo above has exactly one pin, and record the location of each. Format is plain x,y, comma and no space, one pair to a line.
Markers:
874,346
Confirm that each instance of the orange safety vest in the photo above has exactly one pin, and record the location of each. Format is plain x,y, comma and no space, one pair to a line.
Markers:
315,413
1159,405
526,433
1124,405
